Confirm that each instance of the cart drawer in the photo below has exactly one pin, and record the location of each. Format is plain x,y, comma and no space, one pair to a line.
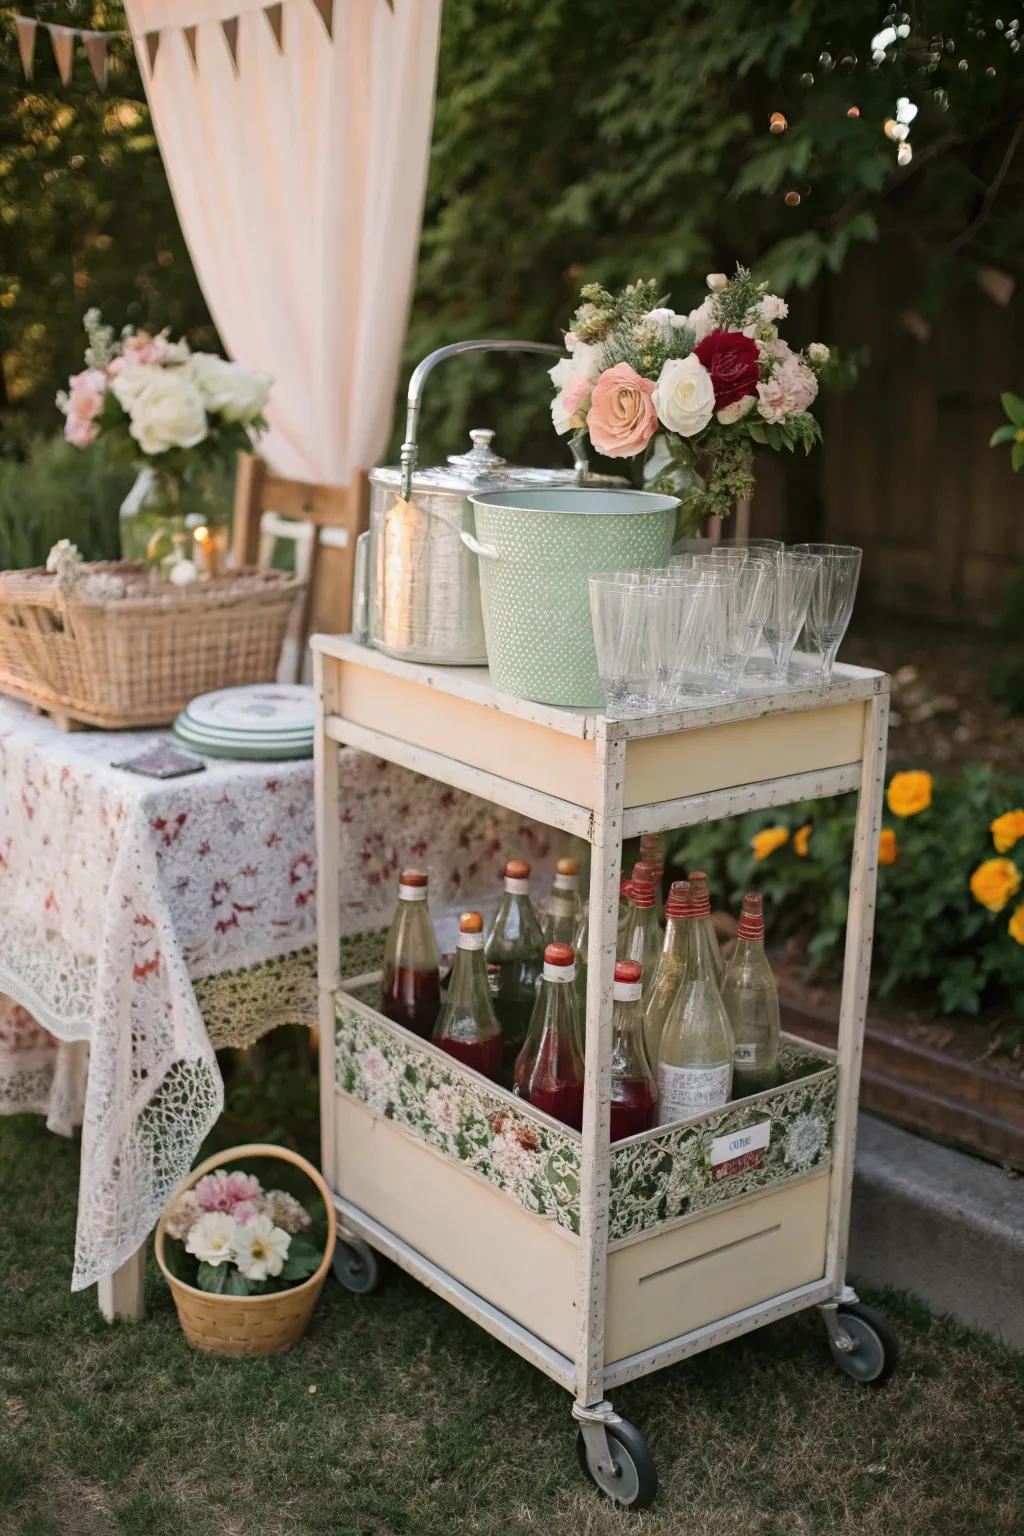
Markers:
715,1264
520,1263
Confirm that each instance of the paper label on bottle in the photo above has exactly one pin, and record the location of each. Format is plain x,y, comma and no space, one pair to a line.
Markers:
628,991
517,887
739,1150
412,893
559,972
567,882
470,941
684,1091
745,1055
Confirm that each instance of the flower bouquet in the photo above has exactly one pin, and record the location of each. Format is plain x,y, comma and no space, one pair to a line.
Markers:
240,1259
688,395
181,416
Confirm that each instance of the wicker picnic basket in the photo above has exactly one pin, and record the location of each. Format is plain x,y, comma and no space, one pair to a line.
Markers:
247,1325
139,658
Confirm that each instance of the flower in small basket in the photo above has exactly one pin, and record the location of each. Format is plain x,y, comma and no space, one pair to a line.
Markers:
688,394
244,1239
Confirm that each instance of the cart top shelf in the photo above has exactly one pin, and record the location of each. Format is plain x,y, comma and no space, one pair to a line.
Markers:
770,746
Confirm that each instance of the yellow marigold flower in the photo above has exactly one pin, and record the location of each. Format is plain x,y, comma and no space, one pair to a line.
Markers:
1007,830
801,837
766,842
1015,926
887,846
909,793
994,882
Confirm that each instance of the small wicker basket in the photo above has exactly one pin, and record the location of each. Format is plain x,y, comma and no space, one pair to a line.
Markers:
138,659
247,1325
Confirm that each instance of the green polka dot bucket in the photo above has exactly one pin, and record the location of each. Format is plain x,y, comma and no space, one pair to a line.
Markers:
536,551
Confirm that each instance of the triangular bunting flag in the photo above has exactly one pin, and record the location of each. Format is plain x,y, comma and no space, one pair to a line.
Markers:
230,30
152,42
27,42
326,9
63,40
96,52
275,18
192,44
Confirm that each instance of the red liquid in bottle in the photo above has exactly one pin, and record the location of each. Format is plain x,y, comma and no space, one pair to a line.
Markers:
633,1101
412,998
563,1101
482,1055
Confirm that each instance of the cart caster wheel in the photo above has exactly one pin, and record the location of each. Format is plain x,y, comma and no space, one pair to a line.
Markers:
875,1353
634,1482
356,1267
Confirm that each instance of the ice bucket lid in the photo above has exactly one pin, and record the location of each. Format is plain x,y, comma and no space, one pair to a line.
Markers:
480,469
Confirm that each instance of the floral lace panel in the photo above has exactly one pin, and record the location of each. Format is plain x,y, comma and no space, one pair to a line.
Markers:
479,1126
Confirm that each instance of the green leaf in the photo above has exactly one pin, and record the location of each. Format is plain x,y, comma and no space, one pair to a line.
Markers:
303,1260
221,1279
1017,455
1013,405
1003,434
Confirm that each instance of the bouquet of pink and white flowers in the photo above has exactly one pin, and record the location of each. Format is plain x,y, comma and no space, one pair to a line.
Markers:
690,394
155,400
238,1239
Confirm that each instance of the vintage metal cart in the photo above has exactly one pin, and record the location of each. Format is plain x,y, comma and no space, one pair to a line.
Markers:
599,1263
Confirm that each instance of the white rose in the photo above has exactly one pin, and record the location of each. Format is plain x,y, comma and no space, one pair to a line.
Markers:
128,385
772,307
736,412
703,320
716,281
168,413
684,396
818,354
227,389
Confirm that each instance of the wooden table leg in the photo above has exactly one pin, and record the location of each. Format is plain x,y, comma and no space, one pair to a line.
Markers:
121,1294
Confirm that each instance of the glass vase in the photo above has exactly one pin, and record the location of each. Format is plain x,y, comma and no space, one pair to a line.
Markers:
151,514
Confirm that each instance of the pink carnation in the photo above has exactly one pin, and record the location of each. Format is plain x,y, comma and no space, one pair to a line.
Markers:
622,419
83,404
222,1191
141,348
792,388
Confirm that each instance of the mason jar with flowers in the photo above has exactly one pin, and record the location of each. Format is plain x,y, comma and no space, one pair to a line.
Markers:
181,417
688,396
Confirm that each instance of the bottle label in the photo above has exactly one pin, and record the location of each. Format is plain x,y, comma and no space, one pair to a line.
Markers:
745,1055
628,991
412,893
559,972
567,882
470,941
684,1091
517,887
739,1150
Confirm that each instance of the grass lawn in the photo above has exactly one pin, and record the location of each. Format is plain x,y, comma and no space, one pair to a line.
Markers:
397,1415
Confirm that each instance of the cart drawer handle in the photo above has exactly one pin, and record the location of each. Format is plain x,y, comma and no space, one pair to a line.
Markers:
737,1242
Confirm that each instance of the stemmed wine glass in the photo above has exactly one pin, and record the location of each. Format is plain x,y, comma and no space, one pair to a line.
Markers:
797,572
832,600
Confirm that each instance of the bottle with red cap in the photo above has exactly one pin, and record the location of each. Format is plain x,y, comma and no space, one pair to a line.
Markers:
633,1094
752,1002
642,938
549,1068
515,945
664,984
652,852
698,882
695,1054
467,1026
564,912
412,981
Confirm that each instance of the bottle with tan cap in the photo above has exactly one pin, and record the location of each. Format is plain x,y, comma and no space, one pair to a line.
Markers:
412,981
515,945
549,1068
564,912
752,1002
467,1027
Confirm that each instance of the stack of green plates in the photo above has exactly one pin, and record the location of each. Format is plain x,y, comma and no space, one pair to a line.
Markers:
260,722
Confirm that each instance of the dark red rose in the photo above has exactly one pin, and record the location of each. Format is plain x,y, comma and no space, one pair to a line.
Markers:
731,359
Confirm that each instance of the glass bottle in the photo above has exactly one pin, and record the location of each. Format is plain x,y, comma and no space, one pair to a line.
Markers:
668,972
652,852
565,909
411,993
633,1094
549,1068
695,1056
700,895
642,939
467,1026
752,1002
516,945
581,944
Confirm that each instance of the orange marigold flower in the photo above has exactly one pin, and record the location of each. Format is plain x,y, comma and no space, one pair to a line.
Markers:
1007,830
887,846
909,793
801,837
994,882
765,842
1015,927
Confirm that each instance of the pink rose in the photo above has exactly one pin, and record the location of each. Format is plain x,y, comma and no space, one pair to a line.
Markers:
622,419
792,388
82,405
141,348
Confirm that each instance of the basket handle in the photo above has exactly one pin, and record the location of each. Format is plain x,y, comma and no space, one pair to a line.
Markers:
237,1154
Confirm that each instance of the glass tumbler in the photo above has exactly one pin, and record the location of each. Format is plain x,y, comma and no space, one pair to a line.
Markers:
629,612
832,599
796,576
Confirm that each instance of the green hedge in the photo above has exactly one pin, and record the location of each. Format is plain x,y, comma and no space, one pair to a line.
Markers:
51,491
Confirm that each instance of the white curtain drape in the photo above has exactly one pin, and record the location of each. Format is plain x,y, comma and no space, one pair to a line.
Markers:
298,176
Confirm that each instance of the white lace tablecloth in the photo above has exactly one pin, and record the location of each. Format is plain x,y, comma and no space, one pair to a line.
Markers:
125,901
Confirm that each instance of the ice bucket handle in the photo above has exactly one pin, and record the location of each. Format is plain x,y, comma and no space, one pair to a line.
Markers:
409,447
453,523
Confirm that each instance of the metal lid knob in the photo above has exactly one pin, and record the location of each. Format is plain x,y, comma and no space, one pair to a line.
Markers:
480,459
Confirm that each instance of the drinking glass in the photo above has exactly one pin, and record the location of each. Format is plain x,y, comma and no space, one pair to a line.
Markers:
630,614
796,576
831,603
701,613
748,603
